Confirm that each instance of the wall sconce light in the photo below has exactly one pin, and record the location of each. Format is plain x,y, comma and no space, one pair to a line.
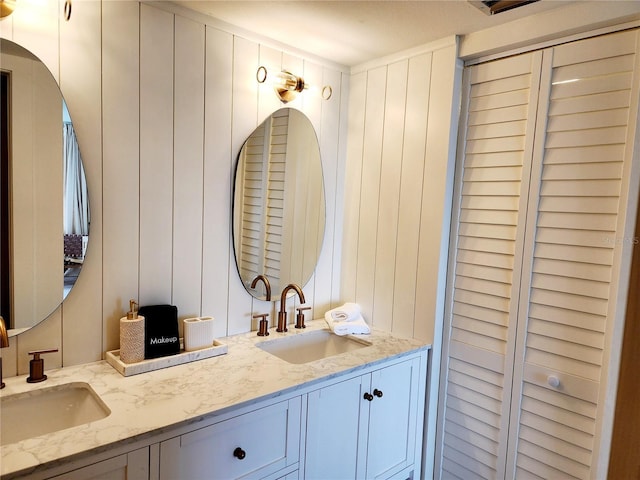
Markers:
286,84
7,7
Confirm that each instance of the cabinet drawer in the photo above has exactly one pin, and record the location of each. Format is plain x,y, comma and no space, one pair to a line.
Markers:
252,445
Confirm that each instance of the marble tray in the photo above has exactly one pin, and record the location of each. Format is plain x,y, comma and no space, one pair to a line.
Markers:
128,369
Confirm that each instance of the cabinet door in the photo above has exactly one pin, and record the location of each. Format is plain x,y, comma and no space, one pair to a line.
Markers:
252,445
392,419
333,432
130,466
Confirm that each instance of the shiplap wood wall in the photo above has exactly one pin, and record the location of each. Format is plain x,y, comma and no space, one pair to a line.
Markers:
162,100
398,188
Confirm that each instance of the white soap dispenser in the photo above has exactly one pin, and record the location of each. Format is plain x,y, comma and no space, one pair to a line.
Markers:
132,335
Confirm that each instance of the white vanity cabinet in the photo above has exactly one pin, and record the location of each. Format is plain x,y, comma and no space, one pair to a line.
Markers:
368,426
364,422
258,444
129,466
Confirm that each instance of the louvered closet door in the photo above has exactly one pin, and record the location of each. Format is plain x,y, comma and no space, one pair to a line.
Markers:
275,196
263,200
254,181
578,204
490,201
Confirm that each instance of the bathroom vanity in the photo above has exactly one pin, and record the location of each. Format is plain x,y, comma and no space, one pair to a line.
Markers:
246,414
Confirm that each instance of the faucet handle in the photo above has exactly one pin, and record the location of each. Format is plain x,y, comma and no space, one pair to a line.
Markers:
263,330
300,317
36,365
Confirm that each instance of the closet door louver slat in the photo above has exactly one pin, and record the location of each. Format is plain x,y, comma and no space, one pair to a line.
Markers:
252,216
275,196
567,289
263,201
490,232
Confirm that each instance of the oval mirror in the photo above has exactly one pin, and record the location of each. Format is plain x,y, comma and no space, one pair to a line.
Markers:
278,205
44,203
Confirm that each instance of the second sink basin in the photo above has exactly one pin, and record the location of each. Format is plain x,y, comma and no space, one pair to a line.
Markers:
310,346
47,410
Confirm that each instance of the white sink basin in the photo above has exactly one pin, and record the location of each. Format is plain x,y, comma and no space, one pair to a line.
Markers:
310,346
46,410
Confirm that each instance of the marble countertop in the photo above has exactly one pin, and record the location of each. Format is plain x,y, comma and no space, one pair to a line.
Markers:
154,402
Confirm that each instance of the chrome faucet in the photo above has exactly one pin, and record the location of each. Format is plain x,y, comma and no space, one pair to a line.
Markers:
282,314
4,343
267,286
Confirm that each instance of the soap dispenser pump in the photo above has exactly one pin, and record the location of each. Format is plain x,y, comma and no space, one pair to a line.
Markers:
132,335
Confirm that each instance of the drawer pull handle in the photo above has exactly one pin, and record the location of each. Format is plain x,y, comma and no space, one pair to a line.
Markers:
239,453
368,396
377,393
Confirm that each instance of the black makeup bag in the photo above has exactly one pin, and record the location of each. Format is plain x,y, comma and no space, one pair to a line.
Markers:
161,336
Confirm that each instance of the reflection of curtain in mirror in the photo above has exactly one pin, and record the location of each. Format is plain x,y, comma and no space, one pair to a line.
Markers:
76,199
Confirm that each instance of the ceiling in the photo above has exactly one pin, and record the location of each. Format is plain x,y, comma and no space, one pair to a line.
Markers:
354,32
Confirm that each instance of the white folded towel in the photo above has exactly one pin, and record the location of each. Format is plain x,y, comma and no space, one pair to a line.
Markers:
357,326
346,313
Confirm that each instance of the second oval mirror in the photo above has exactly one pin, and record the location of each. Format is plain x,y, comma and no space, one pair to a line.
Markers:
278,205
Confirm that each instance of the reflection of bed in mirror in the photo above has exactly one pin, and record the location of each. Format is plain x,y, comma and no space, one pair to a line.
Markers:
75,248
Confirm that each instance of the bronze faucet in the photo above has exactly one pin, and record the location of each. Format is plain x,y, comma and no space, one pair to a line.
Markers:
4,343
282,314
36,366
267,285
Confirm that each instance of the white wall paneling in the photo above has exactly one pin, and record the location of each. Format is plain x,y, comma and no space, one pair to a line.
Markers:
244,121
399,168
188,131
312,107
409,203
217,177
162,102
34,24
369,191
271,59
446,74
352,184
326,292
389,194
156,155
80,81
121,162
